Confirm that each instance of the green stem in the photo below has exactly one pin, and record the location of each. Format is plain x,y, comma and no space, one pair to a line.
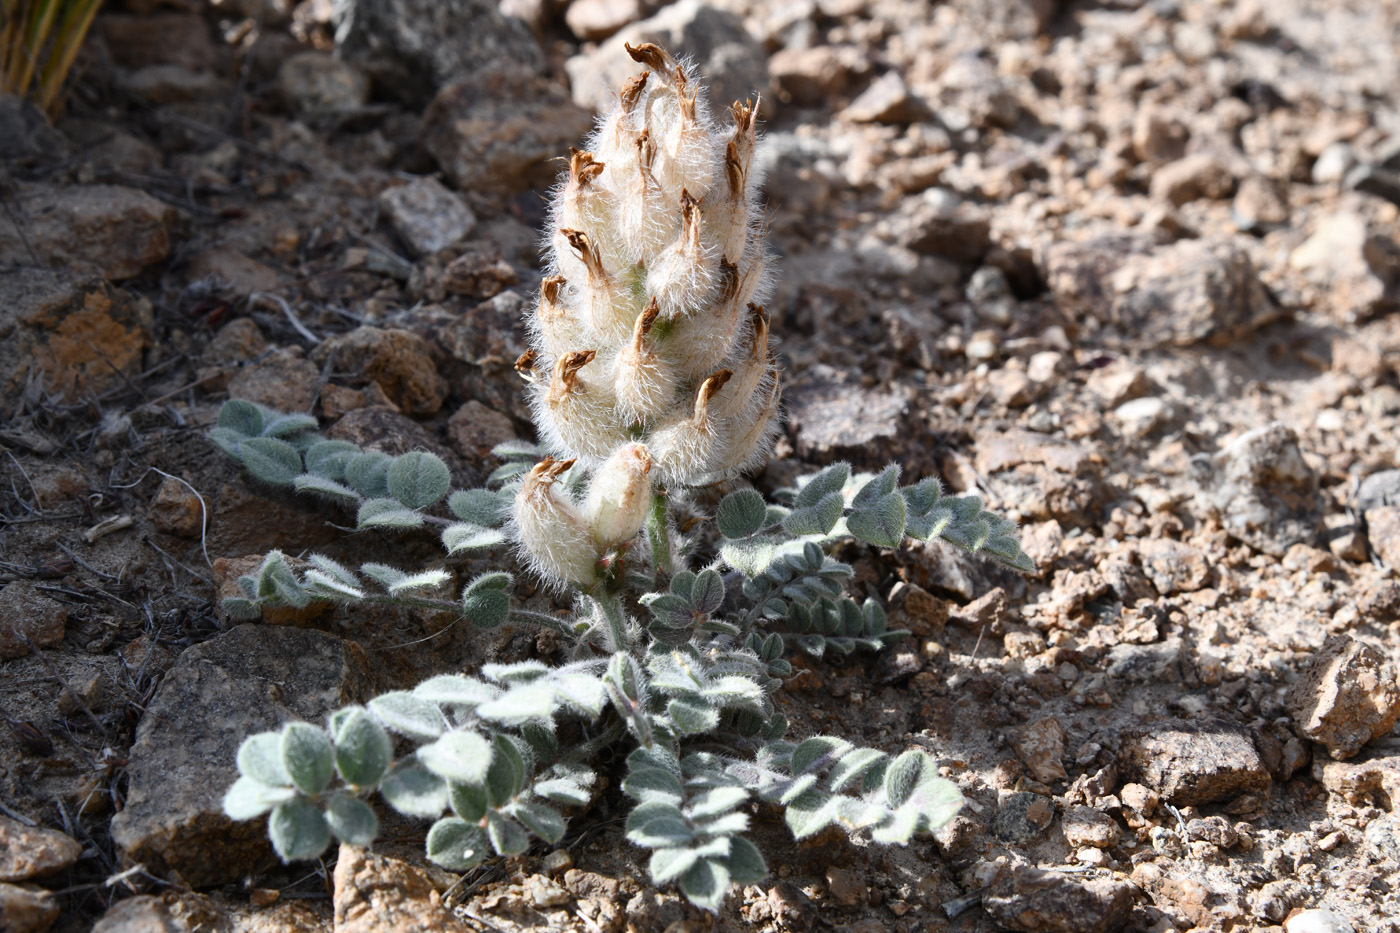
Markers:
610,605
659,537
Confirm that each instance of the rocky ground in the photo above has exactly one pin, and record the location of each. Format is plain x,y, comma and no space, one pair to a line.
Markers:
1127,269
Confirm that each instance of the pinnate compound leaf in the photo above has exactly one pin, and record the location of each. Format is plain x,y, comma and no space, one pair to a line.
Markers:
413,790
563,791
363,749
271,460
352,820
298,830
308,756
260,758
457,845
408,715
242,416
248,799
653,785
741,513
715,801
668,864
818,519
419,479
518,705
816,752
458,756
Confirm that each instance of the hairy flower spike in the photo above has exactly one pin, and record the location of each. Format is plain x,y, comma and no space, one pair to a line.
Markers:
620,495
656,257
554,536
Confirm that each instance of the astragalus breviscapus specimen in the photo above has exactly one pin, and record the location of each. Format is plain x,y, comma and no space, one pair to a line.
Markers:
650,373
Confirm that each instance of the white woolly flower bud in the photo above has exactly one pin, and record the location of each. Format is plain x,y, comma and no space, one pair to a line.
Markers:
656,261
553,535
620,495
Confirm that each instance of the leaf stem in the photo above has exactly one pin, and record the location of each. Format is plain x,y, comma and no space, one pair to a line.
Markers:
659,537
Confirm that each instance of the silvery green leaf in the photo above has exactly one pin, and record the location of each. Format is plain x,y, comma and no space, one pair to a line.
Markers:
658,831
833,479
298,830
880,523
419,479
457,845
271,460
327,459
455,690
506,835
808,814
745,862
310,482
817,519
324,586
480,507
507,472
506,775
797,788
818,752
541,820
898,827
922,496
815,645
288,425
691,716
713,802
517,448
653,784
458,756
750,558
726,824
883,484
260,758
308,756
741,513
240,609
383,574
248,799
937,799
419,581
521,672
352,820
486,601
413,790
563,791
707,592
386,513
275,579
583,693
408,715
228,440
876,621
682,585
519,705
667,864
363,750
328,566
469,801
368,473
706,884
242,416
735,690
671,610
464,536
904,774
848,773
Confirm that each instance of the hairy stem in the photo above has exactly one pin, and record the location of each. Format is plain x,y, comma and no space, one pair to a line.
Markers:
610,607
658,536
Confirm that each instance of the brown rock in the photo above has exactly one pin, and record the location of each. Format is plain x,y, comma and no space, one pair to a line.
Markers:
1264,490
1035,901
219,692
237,341
846,887
594,20
176,510
479,274
240,274
886,100
939,223
1352,266
831,420
1345,696
918,610
379,894
31,852
243,522
26,909
28,617
315,85
284,380
811,76
1383,533
501,129
426,216
1159,137
1041,745
1356,781
397,360
1085,826
1193,763
165,38
474,431
89,230
385,430
1203,175
1173,567
144,913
